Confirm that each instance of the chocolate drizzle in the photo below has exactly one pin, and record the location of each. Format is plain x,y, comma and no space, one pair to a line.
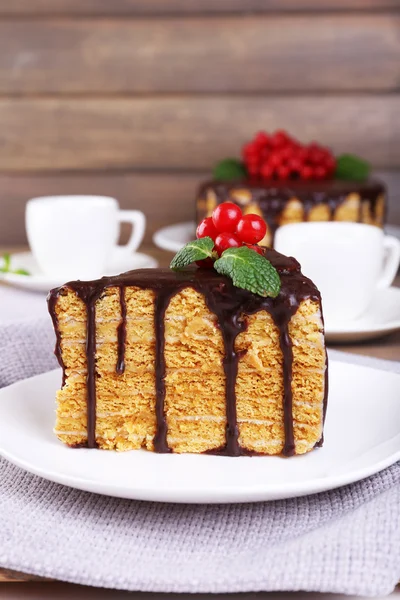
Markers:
228,303
52,301
287,351
121,332
231,363
160,439
89,292
273,197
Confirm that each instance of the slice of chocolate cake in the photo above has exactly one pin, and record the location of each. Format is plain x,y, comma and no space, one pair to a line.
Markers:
187,362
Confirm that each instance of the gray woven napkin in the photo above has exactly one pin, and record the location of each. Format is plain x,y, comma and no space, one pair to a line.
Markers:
343,541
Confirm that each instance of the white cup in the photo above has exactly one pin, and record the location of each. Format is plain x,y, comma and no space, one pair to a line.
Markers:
71,237
348,262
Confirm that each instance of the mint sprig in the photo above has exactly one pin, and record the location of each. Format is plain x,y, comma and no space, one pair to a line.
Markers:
249,271
229,169
6,268
351,168
196,250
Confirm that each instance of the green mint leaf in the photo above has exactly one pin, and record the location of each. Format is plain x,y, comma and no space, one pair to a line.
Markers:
249,271
6,263
229,169
351,167
20,272
196,250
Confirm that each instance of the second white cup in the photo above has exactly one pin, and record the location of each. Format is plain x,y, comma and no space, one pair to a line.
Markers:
348,262
72,237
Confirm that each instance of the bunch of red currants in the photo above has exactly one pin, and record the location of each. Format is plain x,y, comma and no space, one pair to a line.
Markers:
229,228
280,156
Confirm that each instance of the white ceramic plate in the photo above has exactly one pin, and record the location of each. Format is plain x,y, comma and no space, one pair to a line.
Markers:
362,437
39,282
381,318
174,237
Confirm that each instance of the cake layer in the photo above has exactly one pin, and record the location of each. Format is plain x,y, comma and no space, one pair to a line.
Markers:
280,202
185,362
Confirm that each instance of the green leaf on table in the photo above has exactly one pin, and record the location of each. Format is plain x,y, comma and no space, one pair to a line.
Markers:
20,272
6,262
249,271
229,169
6,268
352,168
193,251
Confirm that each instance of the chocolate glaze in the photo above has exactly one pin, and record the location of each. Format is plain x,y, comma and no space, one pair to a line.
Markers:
162,300
273,196
230,305
52,301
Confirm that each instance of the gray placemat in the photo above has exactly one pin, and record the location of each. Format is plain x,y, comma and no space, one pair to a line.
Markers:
344,541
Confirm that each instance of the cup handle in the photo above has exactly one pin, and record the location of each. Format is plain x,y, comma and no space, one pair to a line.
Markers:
138,222
392,261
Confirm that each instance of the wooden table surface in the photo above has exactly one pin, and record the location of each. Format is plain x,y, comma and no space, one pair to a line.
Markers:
387,348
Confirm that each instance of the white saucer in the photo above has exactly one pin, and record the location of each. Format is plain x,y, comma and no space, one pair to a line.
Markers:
174,237
393,230
381,318
362,437
39,282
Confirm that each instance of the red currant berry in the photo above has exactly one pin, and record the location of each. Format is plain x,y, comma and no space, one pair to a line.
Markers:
295,164
275,160
330,163
253,161
256,248
226,240
317,156
283,172
206,263
253,171
286,153
320,172
264,153
226,216
251,153
306,172
267,171
279,139
251,229
302,154
249,148
261,139
206,229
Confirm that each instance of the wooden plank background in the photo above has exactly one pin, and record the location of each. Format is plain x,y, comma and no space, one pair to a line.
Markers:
138,98
201,55
162,7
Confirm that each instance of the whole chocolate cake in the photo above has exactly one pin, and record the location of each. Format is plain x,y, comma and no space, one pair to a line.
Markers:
284,182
